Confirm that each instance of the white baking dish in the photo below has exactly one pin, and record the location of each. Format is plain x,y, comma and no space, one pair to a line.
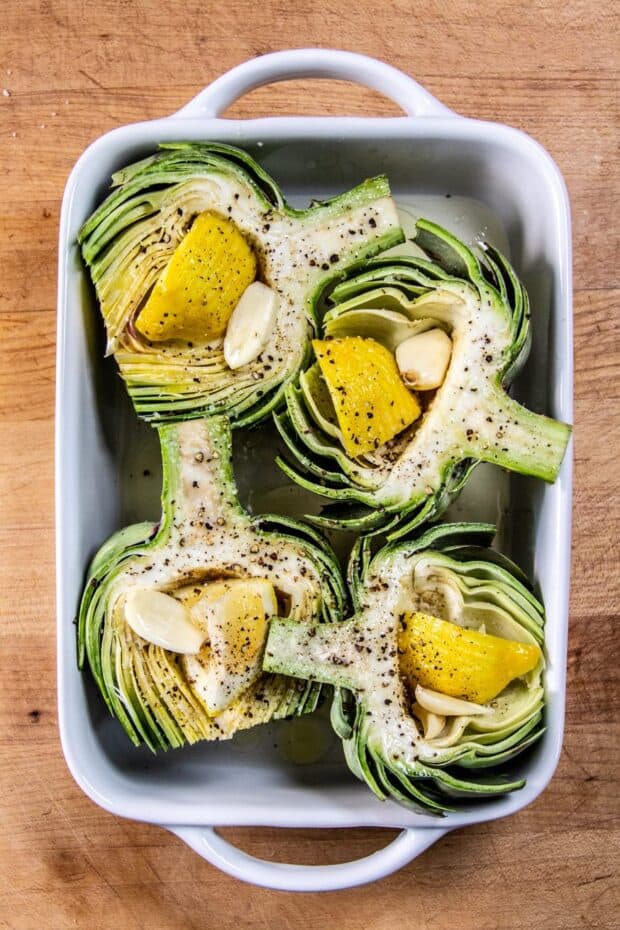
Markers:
102,451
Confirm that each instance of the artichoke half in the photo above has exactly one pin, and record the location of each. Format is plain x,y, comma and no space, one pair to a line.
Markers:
172,250
477,300
445,611
207,555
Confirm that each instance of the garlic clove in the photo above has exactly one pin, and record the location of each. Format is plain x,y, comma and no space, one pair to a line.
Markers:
444,705
423,359
162,620
250,325
432,724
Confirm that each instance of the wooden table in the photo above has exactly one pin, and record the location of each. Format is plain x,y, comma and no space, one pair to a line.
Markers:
73,70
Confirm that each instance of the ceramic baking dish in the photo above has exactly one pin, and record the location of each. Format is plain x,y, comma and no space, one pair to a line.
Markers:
502,186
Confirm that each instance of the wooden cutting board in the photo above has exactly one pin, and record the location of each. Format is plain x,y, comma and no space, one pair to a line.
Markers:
69,71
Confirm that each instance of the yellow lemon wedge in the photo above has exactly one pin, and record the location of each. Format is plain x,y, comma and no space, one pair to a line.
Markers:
458,662
200,286
371,402
234,614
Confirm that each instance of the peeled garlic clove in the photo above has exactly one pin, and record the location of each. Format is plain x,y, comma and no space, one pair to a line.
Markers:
423,359
250,325
432,724
445,705
162,620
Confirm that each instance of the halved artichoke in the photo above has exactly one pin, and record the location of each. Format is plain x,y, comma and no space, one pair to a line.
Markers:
480,303
130,240
204,540
444,575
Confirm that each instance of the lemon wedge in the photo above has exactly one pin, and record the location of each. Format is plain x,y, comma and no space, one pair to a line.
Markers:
371,402
460,663
201,285
234,615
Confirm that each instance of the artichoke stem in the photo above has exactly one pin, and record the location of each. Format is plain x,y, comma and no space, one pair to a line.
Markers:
199,492
518,439
318,651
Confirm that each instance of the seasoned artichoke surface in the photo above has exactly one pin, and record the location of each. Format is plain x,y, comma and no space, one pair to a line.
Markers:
207,534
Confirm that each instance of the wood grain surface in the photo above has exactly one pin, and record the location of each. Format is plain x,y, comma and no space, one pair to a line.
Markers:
69,71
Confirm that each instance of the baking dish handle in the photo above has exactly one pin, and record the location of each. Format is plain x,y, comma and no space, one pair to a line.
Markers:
284,876
314,63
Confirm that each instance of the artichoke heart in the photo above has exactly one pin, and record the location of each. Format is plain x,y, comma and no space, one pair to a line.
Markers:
463,663
175,246
459,325
200,286
390,653
226,574
371,402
